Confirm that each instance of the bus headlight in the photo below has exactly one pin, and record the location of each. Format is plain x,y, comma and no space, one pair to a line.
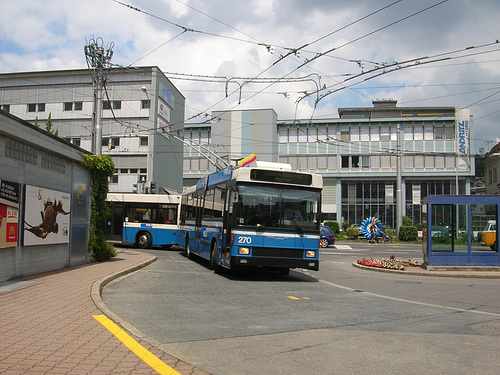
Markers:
310,254
244,251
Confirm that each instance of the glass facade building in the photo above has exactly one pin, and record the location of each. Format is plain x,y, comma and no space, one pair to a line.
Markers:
360,156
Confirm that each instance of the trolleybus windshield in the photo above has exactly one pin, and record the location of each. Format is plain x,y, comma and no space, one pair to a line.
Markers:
277,207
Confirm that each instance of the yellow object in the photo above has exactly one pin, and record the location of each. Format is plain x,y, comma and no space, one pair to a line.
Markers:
148,357
489,238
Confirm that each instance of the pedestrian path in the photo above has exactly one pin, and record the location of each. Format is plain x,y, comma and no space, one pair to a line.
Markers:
48,325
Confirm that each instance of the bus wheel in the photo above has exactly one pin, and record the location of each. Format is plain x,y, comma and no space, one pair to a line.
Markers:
213,258
144,241
189,255
284,271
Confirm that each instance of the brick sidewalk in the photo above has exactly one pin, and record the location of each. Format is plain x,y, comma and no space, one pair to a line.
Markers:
49,328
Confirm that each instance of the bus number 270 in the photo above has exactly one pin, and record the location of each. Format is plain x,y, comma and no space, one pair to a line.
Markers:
244,240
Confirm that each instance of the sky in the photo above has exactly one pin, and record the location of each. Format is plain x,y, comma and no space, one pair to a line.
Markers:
304,59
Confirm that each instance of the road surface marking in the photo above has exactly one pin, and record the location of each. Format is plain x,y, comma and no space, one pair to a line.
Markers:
136,348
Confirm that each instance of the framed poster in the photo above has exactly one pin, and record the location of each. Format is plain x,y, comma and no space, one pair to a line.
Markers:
9,213
46,216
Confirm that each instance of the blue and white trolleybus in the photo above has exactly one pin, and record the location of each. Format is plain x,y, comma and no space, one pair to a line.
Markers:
264,216
144,220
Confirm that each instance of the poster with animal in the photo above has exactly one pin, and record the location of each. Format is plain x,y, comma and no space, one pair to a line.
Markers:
46,216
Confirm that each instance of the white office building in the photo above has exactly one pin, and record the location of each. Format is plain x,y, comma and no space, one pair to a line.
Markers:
360,155
140,106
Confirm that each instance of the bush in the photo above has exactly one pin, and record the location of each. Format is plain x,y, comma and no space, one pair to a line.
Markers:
345,226
101,168
340,237
407,222
391,232
333,225
352,232
408,233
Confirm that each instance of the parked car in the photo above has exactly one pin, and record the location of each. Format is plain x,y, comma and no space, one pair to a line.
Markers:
489,234
440,231
327,237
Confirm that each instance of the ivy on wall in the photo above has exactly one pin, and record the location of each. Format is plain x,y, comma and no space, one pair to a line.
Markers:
101,168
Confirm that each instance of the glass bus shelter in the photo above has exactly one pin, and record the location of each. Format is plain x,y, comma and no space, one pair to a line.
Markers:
461,230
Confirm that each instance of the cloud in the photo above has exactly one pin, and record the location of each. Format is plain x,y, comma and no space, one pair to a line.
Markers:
249,39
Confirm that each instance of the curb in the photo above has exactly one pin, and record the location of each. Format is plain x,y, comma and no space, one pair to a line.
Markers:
429,273
95,295
98,286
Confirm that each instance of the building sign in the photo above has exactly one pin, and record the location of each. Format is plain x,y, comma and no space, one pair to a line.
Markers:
166,95
164,110
46,216
163,127
9,213
463,121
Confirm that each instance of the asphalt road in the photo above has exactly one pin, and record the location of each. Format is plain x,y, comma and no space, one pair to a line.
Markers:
339,320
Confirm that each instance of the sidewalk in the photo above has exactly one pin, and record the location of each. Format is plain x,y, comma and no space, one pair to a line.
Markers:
47,324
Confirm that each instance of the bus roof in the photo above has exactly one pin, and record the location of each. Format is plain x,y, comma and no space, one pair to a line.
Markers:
268,173
143,198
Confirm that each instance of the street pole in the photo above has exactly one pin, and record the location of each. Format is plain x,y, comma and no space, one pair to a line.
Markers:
98,62
399,199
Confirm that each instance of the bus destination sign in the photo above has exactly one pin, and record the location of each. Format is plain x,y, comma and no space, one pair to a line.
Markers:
281,177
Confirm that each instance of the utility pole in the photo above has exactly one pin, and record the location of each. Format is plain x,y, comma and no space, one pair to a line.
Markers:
399,195
98,62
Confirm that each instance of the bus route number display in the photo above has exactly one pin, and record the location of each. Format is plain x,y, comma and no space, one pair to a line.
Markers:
281,177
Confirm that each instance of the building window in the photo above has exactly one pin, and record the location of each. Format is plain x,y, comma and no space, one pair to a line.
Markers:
41,107
344,135
354,161
113,179
133,170
322,162
418,133
76,141
110,142
117,104
143,170
32,107
312,162
385,134
365,161
345,161
144,141
5,107
145,104
374,134
68,106
283,135
124,170
78,106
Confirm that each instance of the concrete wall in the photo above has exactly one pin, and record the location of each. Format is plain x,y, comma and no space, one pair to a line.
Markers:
31,156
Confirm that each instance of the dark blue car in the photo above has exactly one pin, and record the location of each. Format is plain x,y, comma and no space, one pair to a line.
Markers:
327,237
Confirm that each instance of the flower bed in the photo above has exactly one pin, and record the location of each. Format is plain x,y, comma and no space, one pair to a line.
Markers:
392,263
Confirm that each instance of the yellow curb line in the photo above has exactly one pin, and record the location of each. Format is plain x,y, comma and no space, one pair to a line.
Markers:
144,354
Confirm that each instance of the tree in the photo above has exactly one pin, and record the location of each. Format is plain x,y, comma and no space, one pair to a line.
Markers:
49,125
101,168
